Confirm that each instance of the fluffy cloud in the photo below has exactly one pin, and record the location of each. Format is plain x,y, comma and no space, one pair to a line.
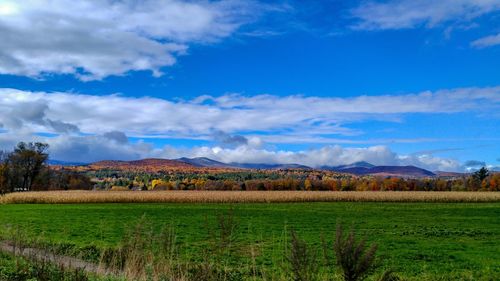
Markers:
88,128
474,165
74,148
98,38
327,155
117,136
100,147
34,113
95,148
230,140
487,41
292,117
398,14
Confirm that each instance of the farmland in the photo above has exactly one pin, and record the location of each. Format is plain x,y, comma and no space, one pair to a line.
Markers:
126,220
419,241
65,197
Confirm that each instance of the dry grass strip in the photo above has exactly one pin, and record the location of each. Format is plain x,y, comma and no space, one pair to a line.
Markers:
66,197
46,256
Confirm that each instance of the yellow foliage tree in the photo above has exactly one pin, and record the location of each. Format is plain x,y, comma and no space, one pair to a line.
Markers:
307,185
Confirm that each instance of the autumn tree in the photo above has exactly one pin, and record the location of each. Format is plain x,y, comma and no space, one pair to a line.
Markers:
495,182
307,185
25,163
4,182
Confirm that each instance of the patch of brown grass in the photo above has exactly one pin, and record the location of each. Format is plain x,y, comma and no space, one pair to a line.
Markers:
66,197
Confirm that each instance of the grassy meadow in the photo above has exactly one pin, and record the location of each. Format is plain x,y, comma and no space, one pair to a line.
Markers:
418,241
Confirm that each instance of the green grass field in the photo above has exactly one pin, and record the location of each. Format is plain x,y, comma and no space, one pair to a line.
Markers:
419,241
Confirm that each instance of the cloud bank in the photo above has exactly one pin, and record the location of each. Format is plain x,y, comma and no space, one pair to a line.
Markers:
88,128
95,39
101,147
201,118
98,38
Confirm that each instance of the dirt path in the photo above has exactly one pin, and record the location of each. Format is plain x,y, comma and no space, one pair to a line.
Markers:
41,254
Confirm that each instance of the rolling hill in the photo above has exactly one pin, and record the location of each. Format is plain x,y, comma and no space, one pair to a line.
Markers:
203,162
358,168
150,164
210,163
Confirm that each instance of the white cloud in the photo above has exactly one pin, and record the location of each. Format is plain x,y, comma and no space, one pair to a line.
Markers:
399,14
97,38
327,155
100,147
487,41
88,128
293,117
431,162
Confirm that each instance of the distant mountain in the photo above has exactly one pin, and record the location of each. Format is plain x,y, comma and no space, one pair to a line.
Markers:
268,166
203,162
64,163
160,162
364,168
358,168
210,163
155,164
144,164
110,163
401,170
361,164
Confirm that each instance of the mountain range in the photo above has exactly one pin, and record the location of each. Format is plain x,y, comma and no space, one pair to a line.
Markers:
207,162
357,168
364,168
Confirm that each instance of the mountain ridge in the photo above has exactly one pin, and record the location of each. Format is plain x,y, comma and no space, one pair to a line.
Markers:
358,168
386,170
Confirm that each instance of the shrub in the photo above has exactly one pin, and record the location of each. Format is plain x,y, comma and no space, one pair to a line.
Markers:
354,259
302,258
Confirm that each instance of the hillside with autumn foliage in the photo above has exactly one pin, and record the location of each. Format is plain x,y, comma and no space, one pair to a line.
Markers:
150,165
207,174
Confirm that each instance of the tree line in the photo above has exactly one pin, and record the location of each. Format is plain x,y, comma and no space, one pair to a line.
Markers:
308,180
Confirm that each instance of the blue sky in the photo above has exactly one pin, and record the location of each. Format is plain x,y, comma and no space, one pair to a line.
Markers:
323,83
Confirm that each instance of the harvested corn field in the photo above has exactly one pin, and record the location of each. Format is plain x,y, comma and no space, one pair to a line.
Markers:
66,197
